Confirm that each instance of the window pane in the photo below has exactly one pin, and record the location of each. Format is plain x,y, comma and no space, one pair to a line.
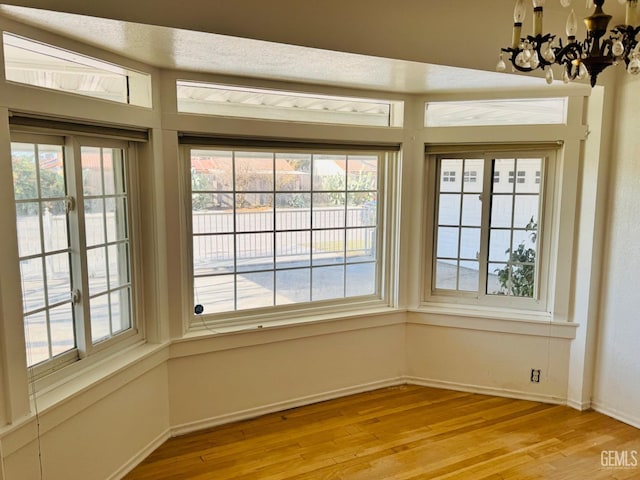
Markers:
361,279
527,169
116,216
470,243
97,269
51,171
293,286
58,278
94,221
328,283
448,242
23,159
28,226
213,254
120,310
62,330
220,221
449,209
254,251
499,245
254,212
362,173
32,284
446,274
215,294
505,170
469,276
471,210
329,172
100,324
293,249
525,111
212,171
293,172
91,171
253,172
118,265
497,279
473,175
255,290
37,338
451,175
293,211
54,223
328,246
328,210
361,244
525,211
114,171
361,209
501,209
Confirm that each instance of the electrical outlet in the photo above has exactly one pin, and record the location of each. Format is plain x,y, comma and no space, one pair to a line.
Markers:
535,375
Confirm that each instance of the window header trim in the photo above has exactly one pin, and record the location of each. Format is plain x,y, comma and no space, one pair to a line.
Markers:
271,143
22,122
436,148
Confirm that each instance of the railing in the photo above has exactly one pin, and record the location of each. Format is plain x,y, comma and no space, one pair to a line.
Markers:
329,232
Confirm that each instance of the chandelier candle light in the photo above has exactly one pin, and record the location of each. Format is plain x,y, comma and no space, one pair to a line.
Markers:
578,60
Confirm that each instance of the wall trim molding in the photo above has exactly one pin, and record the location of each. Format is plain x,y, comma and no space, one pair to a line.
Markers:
498,392
134,461
617,414
578,405
191,427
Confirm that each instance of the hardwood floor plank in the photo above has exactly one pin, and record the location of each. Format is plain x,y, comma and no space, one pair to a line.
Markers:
402,433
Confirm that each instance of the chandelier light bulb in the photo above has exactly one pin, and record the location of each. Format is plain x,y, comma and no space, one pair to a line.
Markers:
582,71
538,3
634,66
548,76
617,48
572,24
548,55
501,66
520,60
534,60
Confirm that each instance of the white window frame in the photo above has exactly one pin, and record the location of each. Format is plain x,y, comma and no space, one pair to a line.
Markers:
387,218
85,348
540,301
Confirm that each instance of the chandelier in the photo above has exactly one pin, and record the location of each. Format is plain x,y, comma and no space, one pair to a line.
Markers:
578,60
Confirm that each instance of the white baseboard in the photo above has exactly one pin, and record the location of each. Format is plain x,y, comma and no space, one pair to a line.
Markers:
498,392
280,406
141,455
624,417
581,406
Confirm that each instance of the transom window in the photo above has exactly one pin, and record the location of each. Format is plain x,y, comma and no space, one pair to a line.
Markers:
487,233
275,228
74,245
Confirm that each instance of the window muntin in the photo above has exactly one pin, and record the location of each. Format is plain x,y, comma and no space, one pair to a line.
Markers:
486,234
76,282
275,228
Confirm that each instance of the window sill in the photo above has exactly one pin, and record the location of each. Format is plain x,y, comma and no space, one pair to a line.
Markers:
521,322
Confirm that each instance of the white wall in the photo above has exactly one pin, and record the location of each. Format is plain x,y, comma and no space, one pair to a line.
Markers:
617,376
213,381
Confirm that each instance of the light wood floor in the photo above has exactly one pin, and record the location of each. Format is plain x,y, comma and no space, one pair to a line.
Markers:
402,433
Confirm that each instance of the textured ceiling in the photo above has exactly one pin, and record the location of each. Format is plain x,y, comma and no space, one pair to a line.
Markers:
189,50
